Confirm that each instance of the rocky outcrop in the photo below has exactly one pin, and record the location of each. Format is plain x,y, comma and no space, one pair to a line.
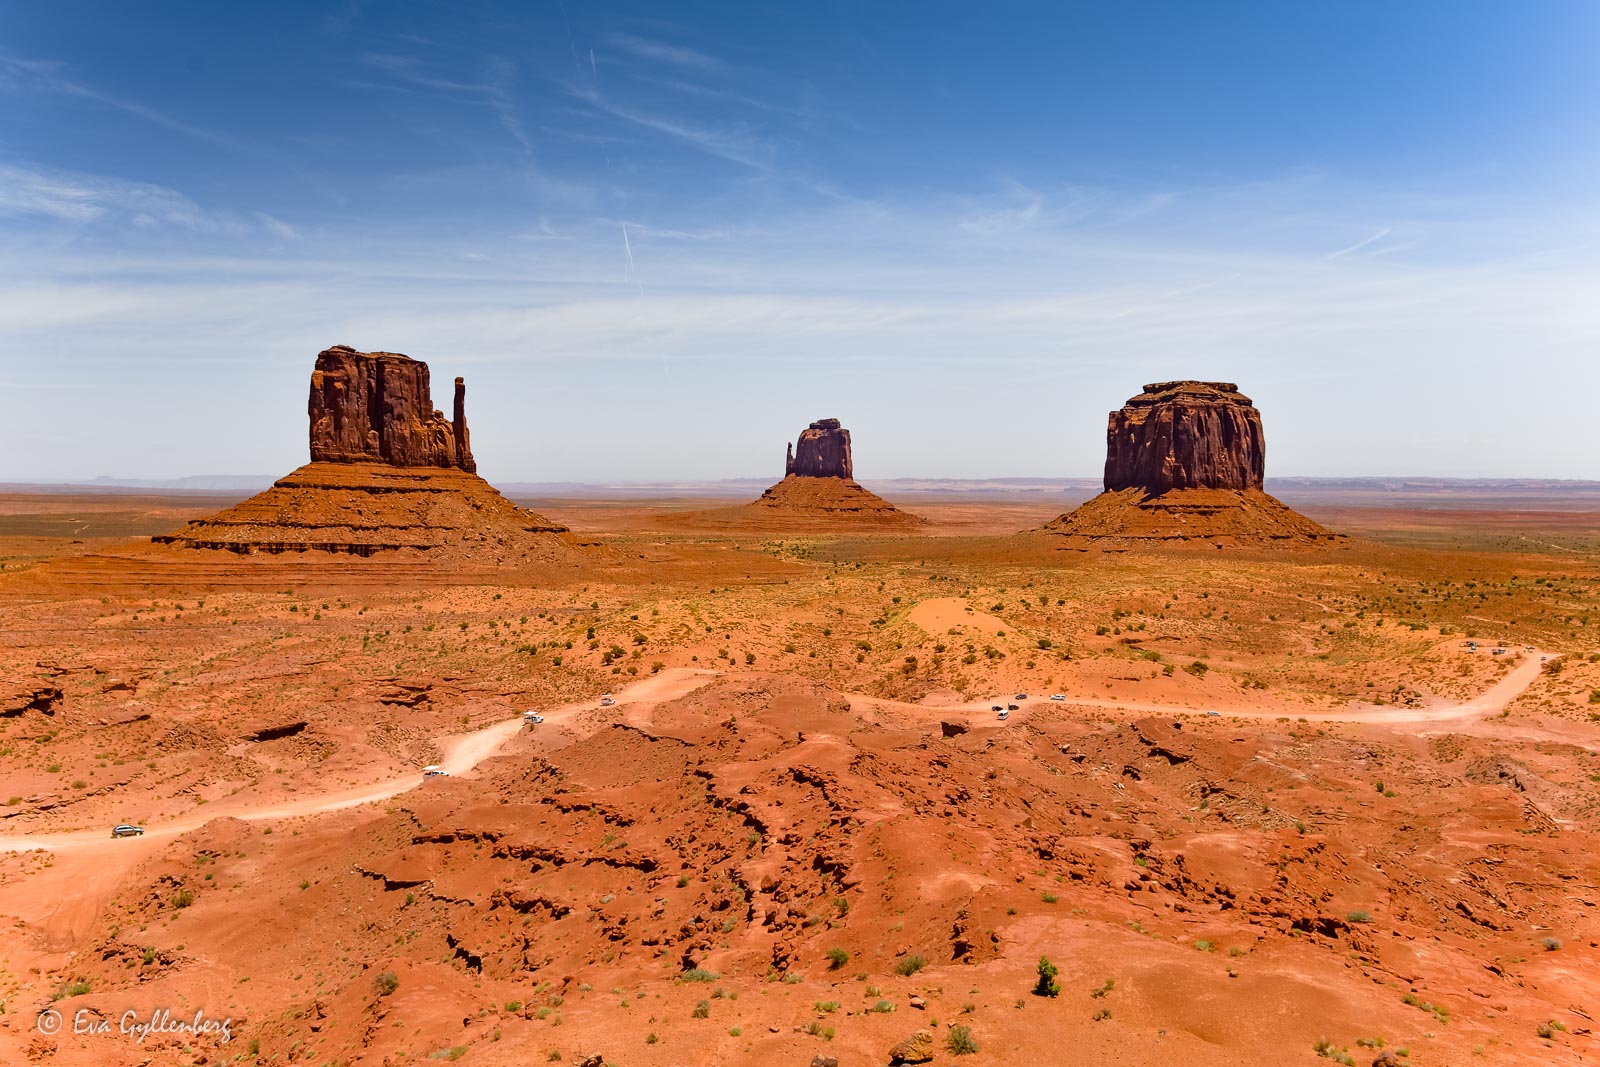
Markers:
1184,467
915,1048
376,407
389,475
16,699
1185,435
822,452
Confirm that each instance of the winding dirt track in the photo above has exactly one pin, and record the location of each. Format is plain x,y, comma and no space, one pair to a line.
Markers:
637,702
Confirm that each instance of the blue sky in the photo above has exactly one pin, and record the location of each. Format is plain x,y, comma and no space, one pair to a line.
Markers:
659,239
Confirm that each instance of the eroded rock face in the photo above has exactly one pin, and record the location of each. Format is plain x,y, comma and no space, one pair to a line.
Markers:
376,407
823,452
1185,435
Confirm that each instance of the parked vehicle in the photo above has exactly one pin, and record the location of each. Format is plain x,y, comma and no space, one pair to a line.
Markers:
1057,696
1213,714
127,830
1011,707
996,707
1020,696
607,700
532,717
433,770
1004,714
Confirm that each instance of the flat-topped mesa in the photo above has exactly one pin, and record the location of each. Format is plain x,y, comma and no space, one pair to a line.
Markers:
376,407
822,452
1185,435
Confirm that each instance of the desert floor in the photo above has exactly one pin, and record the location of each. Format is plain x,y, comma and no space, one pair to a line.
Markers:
1281,814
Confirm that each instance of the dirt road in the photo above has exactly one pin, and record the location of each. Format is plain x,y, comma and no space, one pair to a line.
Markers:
636,703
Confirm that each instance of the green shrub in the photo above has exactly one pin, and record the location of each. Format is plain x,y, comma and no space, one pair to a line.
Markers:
959,1041
910,966
837,957
387,983
1047,986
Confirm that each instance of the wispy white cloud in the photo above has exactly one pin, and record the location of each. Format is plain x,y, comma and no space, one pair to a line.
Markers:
80,199
48,76
36,200
734,144
1072,296
664,52
493,87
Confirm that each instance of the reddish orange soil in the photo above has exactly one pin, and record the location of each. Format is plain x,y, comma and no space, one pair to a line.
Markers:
800,829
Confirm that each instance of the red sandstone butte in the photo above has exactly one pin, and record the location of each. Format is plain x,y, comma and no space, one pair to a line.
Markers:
376,407
823,452
1185,435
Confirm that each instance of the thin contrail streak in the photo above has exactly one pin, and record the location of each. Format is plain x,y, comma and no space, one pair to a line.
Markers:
572,44
1359,245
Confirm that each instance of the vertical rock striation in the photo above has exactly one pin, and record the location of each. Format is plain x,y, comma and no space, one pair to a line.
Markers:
376,407
823,451
1185,435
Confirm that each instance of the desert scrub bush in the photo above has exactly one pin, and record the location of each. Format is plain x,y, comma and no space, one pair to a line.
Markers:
1047,986
387,983
1100,991
1358,916
702,1010
910,966
827,1007
1551,944
699,974
882,1007
183,898
959,1041
1328,1051
837,957
71,989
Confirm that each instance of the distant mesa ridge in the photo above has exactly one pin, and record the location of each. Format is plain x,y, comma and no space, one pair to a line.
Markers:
823,452
376,407
1185,463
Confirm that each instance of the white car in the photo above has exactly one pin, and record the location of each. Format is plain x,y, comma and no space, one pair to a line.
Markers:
532,717
1213,714
1004,714
607,700
435,771
1057,696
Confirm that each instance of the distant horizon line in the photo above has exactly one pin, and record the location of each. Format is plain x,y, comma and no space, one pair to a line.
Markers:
229,481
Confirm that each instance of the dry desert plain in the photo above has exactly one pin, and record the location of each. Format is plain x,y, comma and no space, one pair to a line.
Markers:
801,831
